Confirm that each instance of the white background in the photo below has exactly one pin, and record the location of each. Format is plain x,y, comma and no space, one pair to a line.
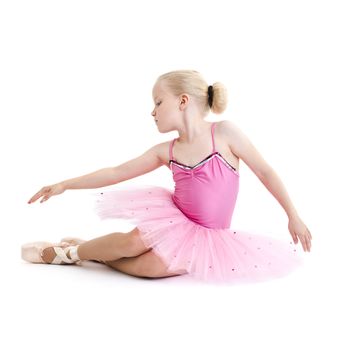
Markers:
76,82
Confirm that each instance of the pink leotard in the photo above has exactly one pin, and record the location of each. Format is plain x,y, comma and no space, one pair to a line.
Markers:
206,192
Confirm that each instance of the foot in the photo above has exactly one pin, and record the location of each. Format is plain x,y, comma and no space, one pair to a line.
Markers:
50,253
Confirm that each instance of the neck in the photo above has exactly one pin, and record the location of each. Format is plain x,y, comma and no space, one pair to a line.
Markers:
190,132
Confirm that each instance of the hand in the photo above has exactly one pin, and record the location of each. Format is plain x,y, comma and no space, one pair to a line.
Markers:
298,229
48,191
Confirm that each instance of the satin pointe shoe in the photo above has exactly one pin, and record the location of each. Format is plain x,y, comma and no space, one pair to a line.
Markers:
32,252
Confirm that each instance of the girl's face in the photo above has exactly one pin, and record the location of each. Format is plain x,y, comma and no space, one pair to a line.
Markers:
166,111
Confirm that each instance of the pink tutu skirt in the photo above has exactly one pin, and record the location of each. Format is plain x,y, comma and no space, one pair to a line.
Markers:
214,255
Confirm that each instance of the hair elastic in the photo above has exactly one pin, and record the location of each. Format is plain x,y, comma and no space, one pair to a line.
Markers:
210,95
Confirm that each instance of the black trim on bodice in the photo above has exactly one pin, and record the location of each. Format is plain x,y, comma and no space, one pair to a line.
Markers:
206,158
214,152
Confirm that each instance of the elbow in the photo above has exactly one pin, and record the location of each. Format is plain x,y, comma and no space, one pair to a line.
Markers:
266,173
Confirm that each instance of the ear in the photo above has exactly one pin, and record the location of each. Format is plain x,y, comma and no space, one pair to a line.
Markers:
184,99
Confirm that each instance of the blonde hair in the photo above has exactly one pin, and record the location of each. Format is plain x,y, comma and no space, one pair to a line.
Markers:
191,82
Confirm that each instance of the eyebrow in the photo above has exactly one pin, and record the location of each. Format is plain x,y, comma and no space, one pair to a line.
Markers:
155,97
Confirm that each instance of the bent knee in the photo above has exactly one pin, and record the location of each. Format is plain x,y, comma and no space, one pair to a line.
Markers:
152,266
135,243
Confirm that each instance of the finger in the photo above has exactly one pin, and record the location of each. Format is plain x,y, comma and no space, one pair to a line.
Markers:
309,243
302,240
44,199
295,238
293,235
307,246
36,196
33,199
310,234
308,239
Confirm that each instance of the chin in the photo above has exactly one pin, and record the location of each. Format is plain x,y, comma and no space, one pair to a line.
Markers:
164,131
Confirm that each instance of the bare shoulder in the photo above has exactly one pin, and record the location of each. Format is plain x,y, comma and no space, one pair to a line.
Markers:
163,152
233,135
243,147
225,127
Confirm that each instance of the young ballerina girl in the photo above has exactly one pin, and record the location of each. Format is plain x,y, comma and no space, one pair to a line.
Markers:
185,231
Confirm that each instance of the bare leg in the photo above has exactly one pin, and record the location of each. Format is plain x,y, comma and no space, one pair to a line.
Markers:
146,264
128,266
107,248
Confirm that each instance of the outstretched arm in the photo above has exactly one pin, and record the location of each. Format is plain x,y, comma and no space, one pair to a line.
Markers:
243,148
140,165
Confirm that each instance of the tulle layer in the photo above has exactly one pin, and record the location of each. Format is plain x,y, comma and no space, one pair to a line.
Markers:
209,254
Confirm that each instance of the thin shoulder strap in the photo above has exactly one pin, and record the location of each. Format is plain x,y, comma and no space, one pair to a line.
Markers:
212,136
171,149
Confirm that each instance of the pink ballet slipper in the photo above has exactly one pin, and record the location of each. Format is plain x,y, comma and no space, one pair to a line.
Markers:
33,251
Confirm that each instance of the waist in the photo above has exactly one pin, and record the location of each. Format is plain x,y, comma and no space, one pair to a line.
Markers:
210,212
